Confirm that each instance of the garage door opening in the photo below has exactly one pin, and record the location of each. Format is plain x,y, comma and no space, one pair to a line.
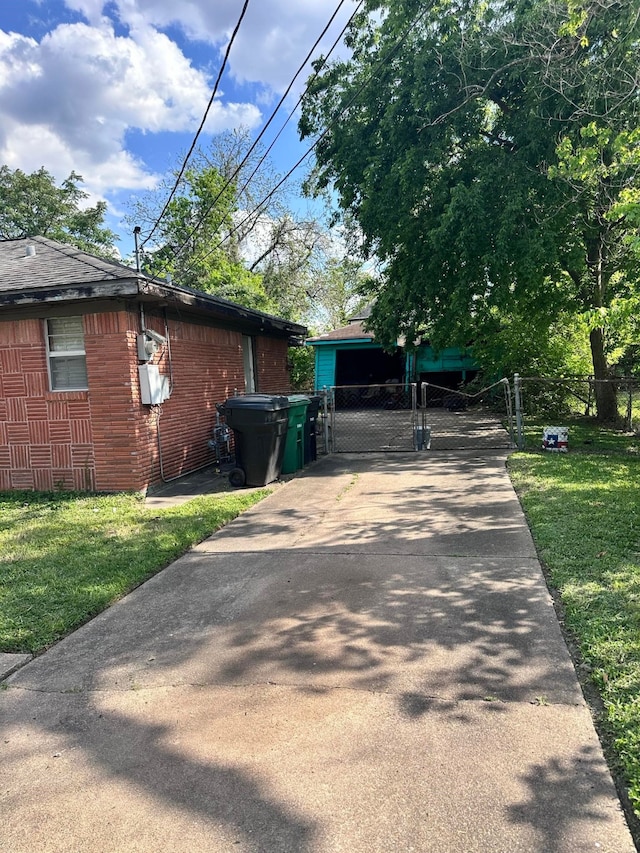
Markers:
439,382
369,366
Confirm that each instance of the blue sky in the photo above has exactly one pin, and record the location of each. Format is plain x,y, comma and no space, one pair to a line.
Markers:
116,90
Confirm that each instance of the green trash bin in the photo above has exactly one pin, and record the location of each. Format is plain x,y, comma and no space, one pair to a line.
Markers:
294,445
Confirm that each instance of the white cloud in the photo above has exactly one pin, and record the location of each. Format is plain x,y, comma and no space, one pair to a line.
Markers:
273,39
94,97
278,36
24,146
91,9
68,101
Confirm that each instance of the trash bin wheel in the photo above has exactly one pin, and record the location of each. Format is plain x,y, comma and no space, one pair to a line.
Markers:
237,477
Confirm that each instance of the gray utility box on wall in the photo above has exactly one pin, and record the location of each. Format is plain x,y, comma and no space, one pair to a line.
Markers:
154,386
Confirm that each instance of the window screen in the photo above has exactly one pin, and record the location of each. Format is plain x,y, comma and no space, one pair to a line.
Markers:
66,355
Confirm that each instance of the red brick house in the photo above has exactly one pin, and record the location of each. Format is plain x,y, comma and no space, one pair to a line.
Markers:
109,379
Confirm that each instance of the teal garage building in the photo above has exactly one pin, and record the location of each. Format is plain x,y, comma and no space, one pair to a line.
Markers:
350,356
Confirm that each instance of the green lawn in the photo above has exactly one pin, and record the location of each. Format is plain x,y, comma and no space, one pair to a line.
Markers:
65,557
585,435
584,513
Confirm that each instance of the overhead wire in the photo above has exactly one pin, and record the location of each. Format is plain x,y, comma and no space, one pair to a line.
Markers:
310,82
341,112
256,142
202,123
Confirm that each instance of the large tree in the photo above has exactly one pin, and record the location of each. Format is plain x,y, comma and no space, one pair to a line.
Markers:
223,230
194,245
488,150
338,292
32,205
226,231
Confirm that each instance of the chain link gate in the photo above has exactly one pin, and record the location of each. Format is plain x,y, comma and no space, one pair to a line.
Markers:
375,418
372,418
456,420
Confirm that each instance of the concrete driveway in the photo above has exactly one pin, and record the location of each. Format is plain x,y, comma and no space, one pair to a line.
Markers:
366,661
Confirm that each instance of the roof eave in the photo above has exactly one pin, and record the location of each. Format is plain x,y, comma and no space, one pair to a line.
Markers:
70,293
326,341
221,308
139,287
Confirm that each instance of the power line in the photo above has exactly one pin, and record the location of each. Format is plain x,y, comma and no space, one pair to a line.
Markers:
324,133
245,159
202,123
299,101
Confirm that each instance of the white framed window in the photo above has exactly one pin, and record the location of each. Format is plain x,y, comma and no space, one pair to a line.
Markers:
66,357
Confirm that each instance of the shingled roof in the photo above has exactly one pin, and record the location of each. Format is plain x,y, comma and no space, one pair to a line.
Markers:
35,262
36,270
354,331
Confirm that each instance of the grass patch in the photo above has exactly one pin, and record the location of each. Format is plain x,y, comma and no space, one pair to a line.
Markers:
586,435
65,557
584,513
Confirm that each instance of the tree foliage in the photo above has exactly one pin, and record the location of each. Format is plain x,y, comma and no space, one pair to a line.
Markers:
340,289
32,205
289,258
302,372
488,151
194,246
215,234
226,232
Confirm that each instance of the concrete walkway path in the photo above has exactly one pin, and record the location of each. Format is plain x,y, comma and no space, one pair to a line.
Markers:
367,661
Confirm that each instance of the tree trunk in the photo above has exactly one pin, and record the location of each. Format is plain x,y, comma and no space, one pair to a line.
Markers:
605,392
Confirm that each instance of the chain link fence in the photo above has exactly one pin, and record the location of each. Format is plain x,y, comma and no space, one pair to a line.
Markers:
406,417
369,418
467,419
531,413
546,405
400,417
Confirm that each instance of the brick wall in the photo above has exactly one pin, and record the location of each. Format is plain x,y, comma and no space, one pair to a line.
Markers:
114,399
45,437
271,357
207,367
68,439
104,438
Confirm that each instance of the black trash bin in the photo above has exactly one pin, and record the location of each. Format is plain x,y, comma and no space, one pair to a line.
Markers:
310,443
259,423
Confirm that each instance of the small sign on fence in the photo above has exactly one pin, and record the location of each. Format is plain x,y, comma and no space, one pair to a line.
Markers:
556,438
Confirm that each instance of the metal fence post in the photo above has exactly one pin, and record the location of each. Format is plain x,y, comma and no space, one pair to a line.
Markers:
509,409
325,419
417,440
517,393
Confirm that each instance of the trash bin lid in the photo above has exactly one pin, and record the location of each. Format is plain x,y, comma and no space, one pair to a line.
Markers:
258,402
298,404
314,404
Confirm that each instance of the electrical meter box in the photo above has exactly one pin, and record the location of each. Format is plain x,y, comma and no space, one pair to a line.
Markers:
147,347
154,386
